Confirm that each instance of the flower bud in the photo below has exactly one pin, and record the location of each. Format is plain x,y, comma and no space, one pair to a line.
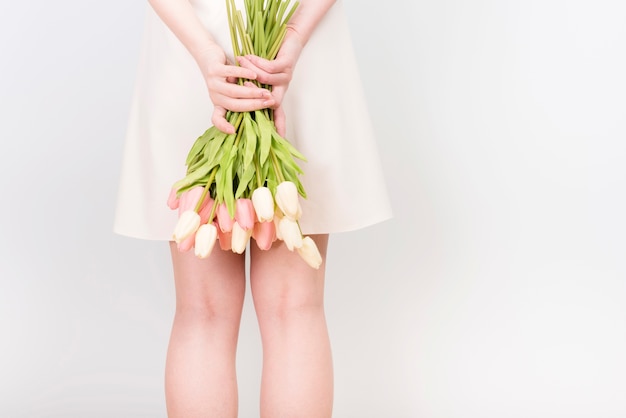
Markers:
240,238
264,234
309,253
263,204
205,212
187,224
224,220
224,239
187,243
205,240
290,231
189,199
244,213
173,201
287,199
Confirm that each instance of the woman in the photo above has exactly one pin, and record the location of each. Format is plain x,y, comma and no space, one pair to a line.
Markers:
320,107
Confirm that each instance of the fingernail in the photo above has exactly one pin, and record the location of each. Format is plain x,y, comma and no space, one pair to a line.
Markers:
268,102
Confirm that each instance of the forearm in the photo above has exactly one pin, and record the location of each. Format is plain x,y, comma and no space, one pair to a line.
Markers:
182,20
307,16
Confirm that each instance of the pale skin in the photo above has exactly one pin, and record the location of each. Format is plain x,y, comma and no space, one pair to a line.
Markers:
288,295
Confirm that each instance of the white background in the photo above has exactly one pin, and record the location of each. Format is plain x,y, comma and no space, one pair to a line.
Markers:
497,291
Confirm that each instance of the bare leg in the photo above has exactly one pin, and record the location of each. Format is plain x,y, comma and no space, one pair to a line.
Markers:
297,364
200,376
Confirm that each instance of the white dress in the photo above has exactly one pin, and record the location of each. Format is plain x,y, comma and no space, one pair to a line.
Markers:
327,120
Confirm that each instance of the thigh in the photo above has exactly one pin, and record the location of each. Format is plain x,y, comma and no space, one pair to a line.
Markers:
280,279
215,285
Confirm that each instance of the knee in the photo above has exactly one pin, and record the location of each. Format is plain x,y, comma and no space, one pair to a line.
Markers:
288,301
208,310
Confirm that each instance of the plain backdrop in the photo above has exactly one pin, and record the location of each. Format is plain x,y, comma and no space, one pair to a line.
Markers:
496,291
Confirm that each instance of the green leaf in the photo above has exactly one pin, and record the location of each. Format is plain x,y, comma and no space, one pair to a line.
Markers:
250,141
286,144
244,180
265,138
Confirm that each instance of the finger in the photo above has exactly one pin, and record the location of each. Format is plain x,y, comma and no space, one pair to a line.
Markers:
280,121
235,71
243,105
272,77
278,93
236,91
219,120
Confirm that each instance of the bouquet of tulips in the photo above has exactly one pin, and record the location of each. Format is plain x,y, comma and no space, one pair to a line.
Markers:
244,185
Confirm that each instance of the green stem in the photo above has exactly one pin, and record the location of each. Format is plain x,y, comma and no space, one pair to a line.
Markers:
213,209
206,189
257,170
277,169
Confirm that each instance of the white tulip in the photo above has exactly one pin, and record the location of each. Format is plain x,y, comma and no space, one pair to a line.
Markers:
277,217
263,204
287,199
290,232
205,240
310,253
240,238
187,224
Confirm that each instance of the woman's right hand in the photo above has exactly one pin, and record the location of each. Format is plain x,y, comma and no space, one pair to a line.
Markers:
226,94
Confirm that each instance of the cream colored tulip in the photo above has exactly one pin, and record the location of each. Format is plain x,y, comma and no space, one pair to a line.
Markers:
290,232
263,204
287,199
205,240
240,238
187,224
277,217
310,253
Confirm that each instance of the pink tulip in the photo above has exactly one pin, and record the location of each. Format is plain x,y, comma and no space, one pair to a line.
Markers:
224,220
240,238
244,213
189,199
264,234
225,239
187,244
205,211
173,200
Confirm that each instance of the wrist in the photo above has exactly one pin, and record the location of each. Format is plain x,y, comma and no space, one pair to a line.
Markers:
294,31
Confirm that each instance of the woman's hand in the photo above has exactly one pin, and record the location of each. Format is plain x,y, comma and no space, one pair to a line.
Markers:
277,72
221,80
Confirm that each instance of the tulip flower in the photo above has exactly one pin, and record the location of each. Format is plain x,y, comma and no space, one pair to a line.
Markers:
223,218
264,234
205,212
189,199
309,253
187,224
225,239
240,238
187,244
205,240
244,213
287,199
277,217
290,231
173,200
263,202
